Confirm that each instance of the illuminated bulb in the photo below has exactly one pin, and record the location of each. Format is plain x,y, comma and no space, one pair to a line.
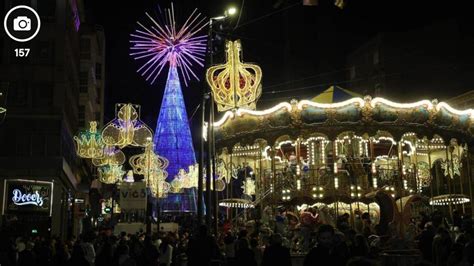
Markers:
374,182
314,195
335,168
374,170
352,187
352,194
336,182
359,195
358,187
405,184
298,184
314,188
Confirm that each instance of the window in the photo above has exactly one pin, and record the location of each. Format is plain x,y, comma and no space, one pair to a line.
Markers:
81,115
18,94
85,48
23,142
353,72
83,82
98,71
1,49
43,94
47,10
45,52
38,144
376,57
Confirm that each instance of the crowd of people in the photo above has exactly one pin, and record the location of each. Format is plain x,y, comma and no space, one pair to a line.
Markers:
430,240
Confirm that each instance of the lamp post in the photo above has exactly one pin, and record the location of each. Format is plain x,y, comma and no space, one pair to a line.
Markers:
210,163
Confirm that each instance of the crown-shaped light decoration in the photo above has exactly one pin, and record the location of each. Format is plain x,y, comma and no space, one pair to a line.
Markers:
110,174
89,143
235,84
112,156
127,129
249,186
148,162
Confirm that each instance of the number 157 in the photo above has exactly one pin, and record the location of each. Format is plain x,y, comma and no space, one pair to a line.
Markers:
22,52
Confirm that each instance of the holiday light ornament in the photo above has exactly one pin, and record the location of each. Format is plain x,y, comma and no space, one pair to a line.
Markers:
89,143
157,45
235,84
127,129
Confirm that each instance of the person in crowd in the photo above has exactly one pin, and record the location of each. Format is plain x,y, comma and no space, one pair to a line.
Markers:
166,252
276,254
61,255
150,252
202,248
105,254
441,247
26,255
122,256
88,247
78,257
323,249
244,255
360,247
425,241
229,248
257,251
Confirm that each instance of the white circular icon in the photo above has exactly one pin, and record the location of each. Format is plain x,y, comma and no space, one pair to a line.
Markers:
21,23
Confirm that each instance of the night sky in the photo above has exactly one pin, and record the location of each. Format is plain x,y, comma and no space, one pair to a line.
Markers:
297,48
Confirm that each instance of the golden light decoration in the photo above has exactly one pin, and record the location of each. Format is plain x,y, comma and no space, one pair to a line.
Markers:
236,203
235,84
148,163
447,199
89,143
127,129
249,186
112,156
110,174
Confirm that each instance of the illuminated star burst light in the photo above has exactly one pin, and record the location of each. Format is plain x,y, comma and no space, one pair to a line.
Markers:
156,45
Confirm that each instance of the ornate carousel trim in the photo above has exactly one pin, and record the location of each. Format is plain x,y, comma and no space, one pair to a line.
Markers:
373,103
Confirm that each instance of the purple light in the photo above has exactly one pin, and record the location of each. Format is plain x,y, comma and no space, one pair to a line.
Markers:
157,45
75,13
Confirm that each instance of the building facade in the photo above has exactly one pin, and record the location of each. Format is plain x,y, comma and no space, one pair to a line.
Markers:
46,107
427,62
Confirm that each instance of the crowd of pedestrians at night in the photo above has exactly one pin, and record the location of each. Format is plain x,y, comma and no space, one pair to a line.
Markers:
430,238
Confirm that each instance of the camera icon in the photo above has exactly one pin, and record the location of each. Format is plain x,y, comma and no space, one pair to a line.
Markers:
22,23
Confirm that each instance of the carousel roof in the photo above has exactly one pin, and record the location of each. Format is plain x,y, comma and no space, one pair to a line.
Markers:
335,94
359,115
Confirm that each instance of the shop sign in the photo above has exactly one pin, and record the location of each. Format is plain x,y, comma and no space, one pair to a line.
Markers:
27,196
133,196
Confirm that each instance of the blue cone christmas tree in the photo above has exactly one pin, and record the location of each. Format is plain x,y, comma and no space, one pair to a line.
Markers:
173,141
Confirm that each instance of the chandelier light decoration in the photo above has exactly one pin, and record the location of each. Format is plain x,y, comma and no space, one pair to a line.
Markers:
110,174
235,84
152,167
89,143
127,129
112,156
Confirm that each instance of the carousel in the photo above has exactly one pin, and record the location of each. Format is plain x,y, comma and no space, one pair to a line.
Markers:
362,155
350,156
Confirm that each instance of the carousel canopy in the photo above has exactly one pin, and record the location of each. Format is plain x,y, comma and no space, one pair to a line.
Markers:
335,94
359,115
